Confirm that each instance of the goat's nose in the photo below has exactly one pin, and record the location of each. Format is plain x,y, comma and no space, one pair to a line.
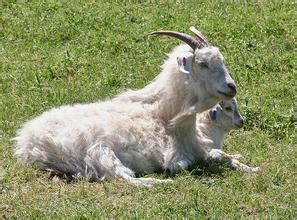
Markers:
241,121
239,124
232,86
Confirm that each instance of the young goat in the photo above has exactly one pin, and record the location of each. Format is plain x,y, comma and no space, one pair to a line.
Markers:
154,130
212,125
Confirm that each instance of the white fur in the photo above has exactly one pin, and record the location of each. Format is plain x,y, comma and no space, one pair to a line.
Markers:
212,125
137,132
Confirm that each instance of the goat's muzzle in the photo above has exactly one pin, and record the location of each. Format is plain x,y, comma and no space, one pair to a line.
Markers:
240,124
232,87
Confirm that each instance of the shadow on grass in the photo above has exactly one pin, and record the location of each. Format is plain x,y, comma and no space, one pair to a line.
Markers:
203,169
197,170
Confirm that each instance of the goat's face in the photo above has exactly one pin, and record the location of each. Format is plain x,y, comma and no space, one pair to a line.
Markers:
210,70
226,115
205,64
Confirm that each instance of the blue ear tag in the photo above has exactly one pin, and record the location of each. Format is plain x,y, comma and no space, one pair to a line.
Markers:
213,114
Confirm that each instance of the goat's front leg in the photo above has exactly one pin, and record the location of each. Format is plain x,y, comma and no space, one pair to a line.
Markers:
233,163
235,156
175,162
218,155
102,163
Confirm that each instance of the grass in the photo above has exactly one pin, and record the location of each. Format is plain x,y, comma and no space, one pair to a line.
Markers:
61,52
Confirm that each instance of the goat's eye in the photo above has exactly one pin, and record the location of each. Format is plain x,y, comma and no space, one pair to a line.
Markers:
228,109
203,64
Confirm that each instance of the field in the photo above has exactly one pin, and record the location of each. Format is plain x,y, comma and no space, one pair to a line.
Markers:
62,52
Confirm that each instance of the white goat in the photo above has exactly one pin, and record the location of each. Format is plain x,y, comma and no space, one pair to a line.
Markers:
212,125
155,130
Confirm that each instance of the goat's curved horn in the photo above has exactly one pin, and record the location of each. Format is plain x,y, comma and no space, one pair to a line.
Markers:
199,36
191,41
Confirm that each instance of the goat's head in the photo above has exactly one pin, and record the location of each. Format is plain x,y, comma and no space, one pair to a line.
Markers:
226,115
205,64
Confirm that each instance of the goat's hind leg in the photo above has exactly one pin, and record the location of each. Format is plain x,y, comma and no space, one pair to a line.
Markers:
102,163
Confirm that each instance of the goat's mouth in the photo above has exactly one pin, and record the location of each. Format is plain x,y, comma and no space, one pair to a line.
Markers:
229,95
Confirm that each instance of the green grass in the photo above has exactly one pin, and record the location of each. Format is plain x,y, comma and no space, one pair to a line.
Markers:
54,53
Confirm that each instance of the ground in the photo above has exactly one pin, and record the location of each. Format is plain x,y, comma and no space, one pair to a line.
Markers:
64,52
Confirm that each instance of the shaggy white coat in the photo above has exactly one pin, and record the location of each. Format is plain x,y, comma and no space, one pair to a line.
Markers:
138,132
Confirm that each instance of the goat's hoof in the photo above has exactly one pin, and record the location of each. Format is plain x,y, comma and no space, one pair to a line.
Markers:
256,169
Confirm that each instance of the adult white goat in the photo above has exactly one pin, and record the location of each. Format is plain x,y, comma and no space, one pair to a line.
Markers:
155,130
212,125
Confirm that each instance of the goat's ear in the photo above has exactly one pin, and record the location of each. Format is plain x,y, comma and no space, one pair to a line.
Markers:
215,113
185,61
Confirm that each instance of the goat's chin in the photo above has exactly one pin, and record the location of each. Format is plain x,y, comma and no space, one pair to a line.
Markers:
208,103
225,95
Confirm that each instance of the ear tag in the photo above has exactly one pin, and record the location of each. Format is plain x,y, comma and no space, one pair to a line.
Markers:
185,62
213,115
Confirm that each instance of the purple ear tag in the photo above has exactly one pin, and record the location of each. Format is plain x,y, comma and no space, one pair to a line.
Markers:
184,61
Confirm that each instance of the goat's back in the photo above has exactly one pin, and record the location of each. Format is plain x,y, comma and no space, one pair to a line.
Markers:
60,138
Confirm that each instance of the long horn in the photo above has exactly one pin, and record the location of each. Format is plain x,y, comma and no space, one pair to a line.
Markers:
191,41
199,36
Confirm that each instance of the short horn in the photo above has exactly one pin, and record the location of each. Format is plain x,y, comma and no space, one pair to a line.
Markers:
199,36
191,41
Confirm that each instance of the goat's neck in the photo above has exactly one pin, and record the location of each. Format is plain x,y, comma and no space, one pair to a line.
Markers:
210,130
176,97
217,135
170,94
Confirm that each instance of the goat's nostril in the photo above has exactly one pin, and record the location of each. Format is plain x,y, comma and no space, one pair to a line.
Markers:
240,123
232,86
